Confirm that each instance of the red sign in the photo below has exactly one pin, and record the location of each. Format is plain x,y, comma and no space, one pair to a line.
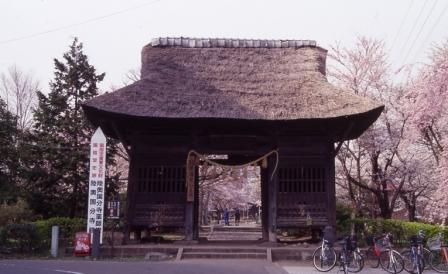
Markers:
82,244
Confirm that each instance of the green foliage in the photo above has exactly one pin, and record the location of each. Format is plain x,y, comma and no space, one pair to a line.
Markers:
343,214
58,152
27,237
9,155
401,230
14,213
21,237
67,227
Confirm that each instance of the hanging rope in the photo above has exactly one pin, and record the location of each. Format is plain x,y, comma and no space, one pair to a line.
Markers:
202,157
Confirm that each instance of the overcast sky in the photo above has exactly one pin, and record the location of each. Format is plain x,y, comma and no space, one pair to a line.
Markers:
34,32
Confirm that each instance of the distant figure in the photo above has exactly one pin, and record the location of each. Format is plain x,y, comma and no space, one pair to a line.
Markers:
226,216
237,216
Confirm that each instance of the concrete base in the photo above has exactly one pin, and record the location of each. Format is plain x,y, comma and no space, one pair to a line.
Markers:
196,251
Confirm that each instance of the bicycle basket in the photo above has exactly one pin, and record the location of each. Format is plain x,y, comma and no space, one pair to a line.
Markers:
434,243
381,244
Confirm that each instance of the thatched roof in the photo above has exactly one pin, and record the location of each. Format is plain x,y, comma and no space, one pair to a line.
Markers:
232,79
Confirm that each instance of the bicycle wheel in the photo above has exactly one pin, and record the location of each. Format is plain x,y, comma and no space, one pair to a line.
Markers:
438,261
344,261
324,260
413,266
420,264
355,262
391,261
371,259
426,254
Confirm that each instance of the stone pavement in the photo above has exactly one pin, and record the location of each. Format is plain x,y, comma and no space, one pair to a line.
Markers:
220,266
302,268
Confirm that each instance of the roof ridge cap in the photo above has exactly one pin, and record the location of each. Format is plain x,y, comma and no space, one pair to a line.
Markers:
187,42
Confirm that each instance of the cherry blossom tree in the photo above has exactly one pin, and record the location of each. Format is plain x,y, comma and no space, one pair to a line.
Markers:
221,187
428,103
374,170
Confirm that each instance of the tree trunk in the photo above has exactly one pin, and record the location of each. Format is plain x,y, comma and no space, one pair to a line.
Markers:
411,213
383,202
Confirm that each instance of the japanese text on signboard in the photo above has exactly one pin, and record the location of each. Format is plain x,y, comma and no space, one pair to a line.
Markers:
97,186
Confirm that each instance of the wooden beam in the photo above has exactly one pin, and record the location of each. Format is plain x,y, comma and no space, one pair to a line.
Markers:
346,133
338,147
121,137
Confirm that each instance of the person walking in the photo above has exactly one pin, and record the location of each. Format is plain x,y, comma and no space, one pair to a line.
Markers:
226,216
237,216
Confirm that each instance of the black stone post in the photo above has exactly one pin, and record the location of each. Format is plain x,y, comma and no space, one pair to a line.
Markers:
96,243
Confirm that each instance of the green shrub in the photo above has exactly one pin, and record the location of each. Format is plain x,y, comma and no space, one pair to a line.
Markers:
343,214
401,230
67,228
2,236
37,236
21,237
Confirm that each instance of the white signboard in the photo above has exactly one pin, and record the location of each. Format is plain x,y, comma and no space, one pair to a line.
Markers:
97,186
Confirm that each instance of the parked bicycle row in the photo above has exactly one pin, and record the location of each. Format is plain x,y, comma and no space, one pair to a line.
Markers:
380,252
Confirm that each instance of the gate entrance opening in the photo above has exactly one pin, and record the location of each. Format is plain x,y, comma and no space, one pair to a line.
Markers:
229,203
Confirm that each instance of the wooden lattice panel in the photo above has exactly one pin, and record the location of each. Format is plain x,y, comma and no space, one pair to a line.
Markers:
161,179
302,180
160,196
302,196
159,215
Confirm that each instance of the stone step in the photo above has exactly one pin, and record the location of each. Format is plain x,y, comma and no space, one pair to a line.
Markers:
237,229
231,238
223,255
224,250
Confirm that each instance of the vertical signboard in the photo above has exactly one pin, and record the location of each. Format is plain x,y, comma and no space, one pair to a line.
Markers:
97,186
113,209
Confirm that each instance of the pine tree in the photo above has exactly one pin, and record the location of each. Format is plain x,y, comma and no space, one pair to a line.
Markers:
60,152
9,156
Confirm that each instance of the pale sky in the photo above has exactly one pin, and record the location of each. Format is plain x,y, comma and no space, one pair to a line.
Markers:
33,32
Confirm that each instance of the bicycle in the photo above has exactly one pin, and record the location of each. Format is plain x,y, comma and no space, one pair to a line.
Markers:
350,257
324,257
381,253
438,258
414,258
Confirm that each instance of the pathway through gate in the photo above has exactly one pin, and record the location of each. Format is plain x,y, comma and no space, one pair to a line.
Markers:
242,233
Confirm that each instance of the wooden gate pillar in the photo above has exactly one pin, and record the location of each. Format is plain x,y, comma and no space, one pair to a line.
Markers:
269,184
130,199
331,192
264,203
272,198
190,199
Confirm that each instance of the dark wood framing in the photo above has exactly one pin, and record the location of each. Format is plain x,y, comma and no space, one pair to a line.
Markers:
297,191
